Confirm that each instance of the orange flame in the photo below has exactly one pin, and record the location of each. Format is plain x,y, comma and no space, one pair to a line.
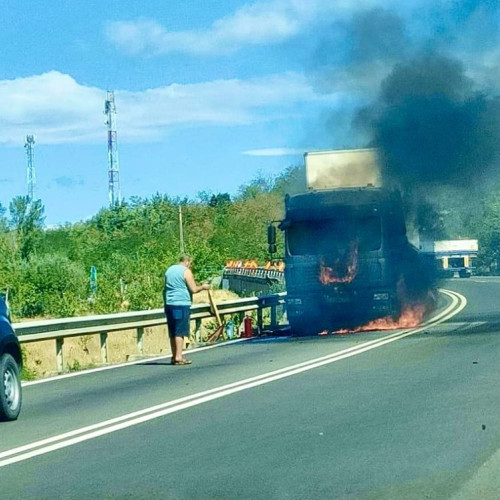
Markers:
332,274
410,317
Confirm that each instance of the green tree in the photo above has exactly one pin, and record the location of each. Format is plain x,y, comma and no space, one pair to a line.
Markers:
489,233
4,224
291,181
50,285
131,245
27,219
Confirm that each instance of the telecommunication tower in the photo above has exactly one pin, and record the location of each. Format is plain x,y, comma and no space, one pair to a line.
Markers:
31,178
113,167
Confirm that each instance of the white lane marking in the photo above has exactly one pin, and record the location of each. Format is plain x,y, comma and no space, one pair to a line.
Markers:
129,363
486,279
121,365
458,302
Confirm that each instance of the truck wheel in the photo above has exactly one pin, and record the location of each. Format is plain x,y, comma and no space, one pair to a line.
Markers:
10,388
303,329
297,328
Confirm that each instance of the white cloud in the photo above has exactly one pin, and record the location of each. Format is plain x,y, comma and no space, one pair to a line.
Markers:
223,102
53,106
57,109
261,22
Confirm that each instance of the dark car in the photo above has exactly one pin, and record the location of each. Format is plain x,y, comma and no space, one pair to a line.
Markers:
10,367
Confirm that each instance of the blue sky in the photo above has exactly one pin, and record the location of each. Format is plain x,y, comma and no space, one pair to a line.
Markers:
209,94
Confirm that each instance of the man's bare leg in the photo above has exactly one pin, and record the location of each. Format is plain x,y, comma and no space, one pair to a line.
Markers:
179,345
173,348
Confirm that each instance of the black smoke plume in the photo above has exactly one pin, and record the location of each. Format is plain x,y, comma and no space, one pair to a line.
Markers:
433,126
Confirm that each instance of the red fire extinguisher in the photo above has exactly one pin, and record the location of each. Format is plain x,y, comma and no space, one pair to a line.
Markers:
247,330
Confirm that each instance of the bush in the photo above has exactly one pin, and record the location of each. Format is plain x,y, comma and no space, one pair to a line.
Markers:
50,285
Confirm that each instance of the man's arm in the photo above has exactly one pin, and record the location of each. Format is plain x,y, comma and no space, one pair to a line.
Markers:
191,283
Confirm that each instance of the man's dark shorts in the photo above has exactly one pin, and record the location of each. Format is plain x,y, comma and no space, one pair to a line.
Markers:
178,320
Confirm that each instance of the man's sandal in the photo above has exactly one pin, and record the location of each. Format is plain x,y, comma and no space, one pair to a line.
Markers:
181,362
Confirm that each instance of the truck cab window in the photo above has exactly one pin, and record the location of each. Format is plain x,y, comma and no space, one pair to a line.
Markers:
334,235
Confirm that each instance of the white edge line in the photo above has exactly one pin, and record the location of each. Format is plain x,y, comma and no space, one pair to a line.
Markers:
158,358
192,396
157,411
127,363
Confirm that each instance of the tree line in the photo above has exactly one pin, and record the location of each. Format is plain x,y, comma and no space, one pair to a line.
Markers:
46,271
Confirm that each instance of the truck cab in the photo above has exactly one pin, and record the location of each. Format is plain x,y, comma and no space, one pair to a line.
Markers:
347,256
344,251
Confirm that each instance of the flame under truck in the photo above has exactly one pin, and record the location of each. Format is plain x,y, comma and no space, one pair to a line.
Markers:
347,256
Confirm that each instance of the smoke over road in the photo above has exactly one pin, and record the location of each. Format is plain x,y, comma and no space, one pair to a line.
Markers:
433,126
425,80
436,131
427,93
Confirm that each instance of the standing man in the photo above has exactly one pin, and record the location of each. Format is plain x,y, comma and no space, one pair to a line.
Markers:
179,288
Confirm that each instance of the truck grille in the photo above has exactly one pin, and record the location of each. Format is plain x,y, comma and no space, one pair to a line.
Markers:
300,276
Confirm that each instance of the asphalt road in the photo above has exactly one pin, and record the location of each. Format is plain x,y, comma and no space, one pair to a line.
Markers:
396,415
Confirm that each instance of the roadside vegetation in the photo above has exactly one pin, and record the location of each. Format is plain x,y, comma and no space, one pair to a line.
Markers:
46,271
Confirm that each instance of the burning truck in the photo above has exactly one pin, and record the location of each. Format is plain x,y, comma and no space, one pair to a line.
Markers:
348,260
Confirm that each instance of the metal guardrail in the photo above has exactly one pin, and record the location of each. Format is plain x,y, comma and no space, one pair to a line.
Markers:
258,272
59,329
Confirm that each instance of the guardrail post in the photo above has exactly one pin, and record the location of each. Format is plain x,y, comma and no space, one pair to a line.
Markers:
239,327
59,354
140,343
259,320
104,347
197,333
274,321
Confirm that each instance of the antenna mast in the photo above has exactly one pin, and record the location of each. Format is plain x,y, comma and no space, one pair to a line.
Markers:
113,167
31,178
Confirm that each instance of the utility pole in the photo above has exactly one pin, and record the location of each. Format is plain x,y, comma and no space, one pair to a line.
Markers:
113,166
31,178
181,231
